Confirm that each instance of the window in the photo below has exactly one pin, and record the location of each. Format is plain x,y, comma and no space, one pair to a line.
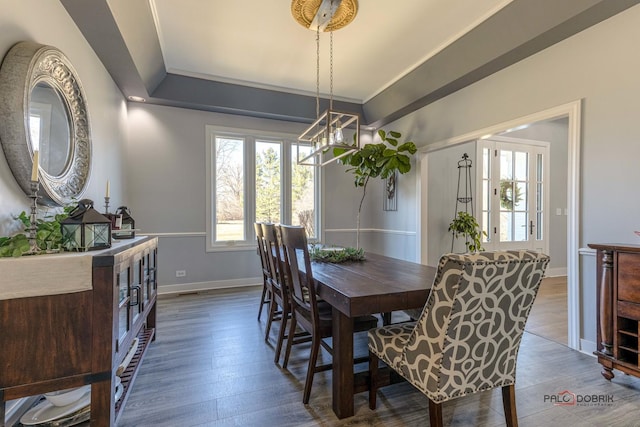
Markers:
229,190
254,177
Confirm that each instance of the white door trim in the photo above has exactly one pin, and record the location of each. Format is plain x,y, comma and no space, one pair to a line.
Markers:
572,110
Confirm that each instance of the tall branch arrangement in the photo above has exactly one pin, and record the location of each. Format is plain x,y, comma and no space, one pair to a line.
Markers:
377,161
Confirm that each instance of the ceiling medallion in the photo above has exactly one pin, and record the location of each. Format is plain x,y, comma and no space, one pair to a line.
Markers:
304,11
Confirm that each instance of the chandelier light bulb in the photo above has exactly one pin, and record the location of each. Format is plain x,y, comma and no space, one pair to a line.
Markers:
338,136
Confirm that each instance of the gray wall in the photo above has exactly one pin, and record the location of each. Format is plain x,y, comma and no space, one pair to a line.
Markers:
47,22
443,174
166,163
391,233
442,183
597,66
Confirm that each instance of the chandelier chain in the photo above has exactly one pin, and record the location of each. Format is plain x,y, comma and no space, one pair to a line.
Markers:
317,72
331,65
331,70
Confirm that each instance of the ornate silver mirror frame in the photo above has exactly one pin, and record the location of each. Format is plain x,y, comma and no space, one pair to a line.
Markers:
26,66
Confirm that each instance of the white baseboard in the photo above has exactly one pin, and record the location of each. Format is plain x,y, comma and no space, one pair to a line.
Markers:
183,288
587,347
555,272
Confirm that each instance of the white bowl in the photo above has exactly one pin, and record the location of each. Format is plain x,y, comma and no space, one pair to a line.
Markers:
66,397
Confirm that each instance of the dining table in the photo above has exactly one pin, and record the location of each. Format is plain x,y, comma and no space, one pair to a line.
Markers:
378,284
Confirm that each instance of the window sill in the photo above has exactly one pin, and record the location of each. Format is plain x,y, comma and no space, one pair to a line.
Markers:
244,247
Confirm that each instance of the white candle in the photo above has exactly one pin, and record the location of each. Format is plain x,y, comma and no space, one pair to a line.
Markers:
108,193
34,168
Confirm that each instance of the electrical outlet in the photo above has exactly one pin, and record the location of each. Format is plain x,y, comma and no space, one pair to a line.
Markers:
181,273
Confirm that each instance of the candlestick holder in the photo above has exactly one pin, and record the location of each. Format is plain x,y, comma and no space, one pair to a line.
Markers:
106,204
32,230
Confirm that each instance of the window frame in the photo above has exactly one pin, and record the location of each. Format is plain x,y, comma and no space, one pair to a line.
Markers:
287,141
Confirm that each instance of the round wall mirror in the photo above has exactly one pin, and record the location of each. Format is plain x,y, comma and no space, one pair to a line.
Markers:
49,129
42,100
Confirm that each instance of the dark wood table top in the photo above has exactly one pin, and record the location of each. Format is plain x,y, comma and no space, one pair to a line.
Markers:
376,285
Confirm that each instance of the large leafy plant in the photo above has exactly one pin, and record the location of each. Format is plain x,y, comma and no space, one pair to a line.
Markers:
377,161
48,234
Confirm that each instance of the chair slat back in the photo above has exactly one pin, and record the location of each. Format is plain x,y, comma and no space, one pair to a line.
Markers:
468,335
298,264
274,256
261,249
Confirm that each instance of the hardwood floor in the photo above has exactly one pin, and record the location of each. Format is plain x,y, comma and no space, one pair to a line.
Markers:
548,317
210,366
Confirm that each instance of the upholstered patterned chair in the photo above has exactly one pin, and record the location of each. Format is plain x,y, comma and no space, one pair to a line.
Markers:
467,337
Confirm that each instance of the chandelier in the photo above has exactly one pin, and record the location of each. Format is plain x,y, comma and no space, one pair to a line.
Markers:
332,129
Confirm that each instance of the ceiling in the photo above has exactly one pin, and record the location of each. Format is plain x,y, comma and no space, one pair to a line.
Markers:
251,57
259,43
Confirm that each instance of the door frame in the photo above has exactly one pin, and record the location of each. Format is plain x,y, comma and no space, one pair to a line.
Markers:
572,111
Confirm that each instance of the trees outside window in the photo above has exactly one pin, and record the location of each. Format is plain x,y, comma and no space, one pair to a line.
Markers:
256,178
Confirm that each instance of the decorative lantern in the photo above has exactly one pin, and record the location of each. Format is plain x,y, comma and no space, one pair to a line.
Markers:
85,229
127,226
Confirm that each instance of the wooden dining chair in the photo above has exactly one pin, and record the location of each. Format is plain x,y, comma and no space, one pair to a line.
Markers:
467,338
265,297
312,315
278,284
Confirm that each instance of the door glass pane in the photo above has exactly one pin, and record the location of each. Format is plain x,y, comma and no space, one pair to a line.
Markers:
506,165
486,166
520,196
539,228
539,198
486,194
229,191
268,178
521,166
521,230
485,226
506,226
302,192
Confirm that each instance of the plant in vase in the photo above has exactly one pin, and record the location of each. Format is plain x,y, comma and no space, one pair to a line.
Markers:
465,225
377,161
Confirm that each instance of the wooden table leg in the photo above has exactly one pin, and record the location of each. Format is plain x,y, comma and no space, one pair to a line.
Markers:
2,409
342,364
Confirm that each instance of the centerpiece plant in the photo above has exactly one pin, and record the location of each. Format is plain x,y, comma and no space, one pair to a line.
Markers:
379,160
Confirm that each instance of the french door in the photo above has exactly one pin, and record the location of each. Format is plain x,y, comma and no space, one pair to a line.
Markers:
513,192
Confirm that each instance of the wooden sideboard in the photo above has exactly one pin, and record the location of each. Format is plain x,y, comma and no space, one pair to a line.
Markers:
618,316
60,341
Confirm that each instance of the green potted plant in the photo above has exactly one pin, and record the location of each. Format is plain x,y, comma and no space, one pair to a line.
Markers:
48,234
465,225
377,160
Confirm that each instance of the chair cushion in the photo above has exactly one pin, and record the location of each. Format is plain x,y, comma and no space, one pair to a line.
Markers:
388,342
